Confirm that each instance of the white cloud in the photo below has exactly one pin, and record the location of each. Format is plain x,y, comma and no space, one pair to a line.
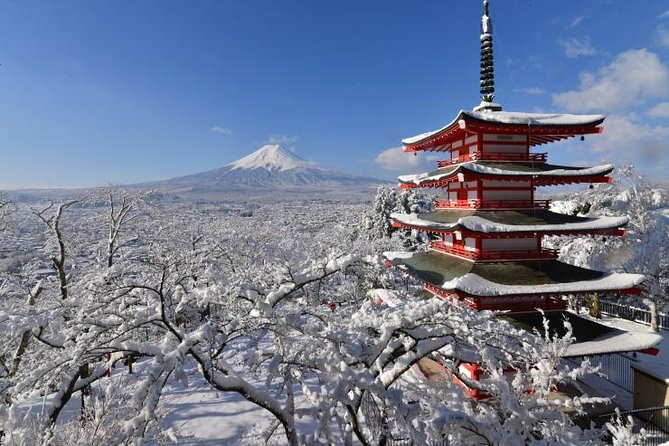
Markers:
627,138
660,110
531,90
634,76
282,139
396,159
576,21
221,130
662,35
664,15
577,47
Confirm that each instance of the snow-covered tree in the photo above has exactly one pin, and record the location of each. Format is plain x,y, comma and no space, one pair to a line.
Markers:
123,207
388,200
275,315
6,206
644,250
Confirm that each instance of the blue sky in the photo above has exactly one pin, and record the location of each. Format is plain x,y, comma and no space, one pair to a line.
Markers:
99,91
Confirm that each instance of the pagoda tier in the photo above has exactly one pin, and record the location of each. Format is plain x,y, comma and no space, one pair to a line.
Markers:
488,236
508,223
508,285
468,180
488,131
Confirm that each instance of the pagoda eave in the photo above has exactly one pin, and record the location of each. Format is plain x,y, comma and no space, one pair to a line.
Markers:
590,336
496,283
536,181
519,302
613,232
516,302
468,123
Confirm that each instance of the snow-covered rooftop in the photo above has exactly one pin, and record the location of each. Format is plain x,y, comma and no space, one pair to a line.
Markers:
591,337
513,118
506,169
538,220
508,278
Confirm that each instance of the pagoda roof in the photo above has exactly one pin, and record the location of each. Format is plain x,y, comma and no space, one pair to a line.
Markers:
458,275
590,337
542,127
517,171
507,221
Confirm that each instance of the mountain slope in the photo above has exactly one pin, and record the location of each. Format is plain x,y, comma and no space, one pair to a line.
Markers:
270,167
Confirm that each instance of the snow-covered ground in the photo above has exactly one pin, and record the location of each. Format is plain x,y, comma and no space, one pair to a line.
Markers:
200,415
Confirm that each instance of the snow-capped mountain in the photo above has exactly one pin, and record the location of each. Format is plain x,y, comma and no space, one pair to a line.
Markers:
270,157
270,167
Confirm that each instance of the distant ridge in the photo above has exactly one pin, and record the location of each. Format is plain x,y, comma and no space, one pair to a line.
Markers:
269,168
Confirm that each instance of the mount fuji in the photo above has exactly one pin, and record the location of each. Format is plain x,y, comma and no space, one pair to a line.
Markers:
269,168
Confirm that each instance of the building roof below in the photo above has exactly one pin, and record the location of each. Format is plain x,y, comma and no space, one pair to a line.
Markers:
545,277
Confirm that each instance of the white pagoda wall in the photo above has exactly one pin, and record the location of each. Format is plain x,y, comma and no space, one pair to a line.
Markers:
454,187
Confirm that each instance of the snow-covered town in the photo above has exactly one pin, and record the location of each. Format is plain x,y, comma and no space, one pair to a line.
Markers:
495,299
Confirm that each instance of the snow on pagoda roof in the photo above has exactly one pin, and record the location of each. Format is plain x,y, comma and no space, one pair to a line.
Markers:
513,118
591,337
508,278
538,220
614,342
506,169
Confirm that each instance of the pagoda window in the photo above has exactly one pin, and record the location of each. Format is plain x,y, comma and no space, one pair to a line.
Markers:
504,138
470,244
504,148
509,244
510,194
506,184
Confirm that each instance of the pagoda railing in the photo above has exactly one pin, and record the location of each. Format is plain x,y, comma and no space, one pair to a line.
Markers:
492,204
461,251
495,156
457,250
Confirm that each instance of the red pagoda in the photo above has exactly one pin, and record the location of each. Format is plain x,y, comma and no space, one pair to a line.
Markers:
488,227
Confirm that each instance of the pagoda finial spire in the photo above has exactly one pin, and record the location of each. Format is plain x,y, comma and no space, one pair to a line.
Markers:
487,63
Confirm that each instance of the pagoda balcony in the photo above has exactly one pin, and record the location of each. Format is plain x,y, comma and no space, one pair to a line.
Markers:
492,204
496,255
496,157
